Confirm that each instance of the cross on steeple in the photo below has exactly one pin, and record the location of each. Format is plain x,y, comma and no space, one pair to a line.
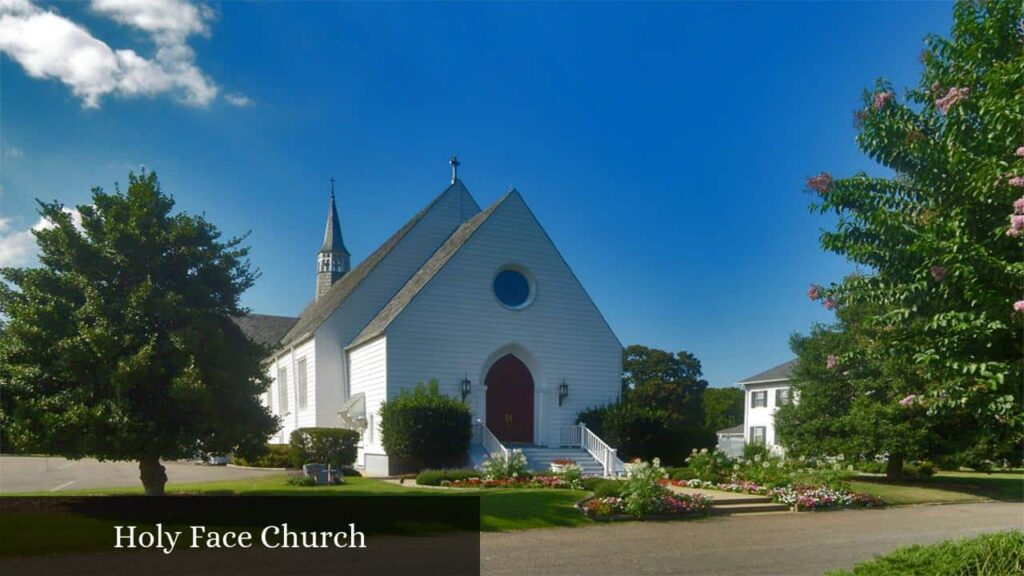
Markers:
455,168
332,186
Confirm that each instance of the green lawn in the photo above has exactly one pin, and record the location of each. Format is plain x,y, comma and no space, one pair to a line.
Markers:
500,510
945,487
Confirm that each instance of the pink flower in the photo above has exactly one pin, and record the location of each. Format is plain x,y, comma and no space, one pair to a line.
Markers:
1018,205
831,362
814,292
953,96
908,400
1018,306
1016,181
881,99
829,304
822,183
1020,152
1016,225
938,273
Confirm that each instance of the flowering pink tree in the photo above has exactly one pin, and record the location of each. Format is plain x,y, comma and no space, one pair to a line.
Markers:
943,239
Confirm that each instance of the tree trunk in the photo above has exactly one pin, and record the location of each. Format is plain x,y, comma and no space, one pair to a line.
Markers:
894,468
153,475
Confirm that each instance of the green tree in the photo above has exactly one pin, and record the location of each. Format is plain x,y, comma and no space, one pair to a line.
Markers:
723,408
661,380
942,237
122,345
849,401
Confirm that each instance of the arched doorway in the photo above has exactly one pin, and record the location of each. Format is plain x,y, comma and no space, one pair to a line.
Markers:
510,400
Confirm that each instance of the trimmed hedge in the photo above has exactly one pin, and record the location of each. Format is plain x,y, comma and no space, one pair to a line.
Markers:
646,433
986,555
608,488
426,428
333,446
275,456
431,477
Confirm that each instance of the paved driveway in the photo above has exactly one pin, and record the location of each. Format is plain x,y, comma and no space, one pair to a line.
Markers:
788,544
44,473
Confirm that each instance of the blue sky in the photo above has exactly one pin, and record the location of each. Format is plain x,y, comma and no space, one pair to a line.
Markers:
663,146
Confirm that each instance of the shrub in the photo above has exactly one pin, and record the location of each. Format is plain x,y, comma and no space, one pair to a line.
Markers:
435,477
681,473
608,489
871,466
710,465
425,427
762,468
300,480
923,469
987,555
643,489
501,468
274,456
645,433
333,446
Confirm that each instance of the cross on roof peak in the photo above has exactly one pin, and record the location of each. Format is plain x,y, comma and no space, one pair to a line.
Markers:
332,187
455,168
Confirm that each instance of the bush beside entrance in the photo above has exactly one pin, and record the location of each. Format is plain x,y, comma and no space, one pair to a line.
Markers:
426,428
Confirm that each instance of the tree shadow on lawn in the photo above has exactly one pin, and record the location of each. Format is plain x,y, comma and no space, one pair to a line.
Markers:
1004,488
519,509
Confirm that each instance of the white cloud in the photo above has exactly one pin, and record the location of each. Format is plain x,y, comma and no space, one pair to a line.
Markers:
49,46
239,100
18,247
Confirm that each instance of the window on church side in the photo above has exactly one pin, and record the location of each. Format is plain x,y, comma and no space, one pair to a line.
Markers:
282,391
301,382
512,288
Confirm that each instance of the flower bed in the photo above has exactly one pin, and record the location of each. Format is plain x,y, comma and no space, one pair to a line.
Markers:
801,497
665,506
538,481
797,496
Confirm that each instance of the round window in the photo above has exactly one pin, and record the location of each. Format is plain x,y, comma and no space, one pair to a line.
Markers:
512,288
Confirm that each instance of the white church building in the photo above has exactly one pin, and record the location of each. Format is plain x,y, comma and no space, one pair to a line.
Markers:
480,300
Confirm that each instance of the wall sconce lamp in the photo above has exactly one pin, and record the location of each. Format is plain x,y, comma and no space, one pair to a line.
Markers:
563,391
465,387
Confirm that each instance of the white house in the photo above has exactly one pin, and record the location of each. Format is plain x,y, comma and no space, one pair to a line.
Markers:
764,393
480,300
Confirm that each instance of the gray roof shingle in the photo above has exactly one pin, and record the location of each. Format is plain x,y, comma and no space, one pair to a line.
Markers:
320,309
783,371
265,329
422,277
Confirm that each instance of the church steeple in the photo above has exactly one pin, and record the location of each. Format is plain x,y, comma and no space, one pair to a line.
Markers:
332,262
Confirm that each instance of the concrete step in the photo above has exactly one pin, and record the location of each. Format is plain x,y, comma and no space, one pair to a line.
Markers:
731,507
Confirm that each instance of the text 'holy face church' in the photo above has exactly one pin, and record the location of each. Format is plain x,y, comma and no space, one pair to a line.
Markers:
480,300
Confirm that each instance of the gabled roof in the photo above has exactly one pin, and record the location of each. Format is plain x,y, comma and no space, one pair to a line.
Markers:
333,242
737,429
265,329
426,273
321,308
779,373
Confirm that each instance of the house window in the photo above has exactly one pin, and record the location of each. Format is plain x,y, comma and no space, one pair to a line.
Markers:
300,383
282,391
758,434
781,396
759,399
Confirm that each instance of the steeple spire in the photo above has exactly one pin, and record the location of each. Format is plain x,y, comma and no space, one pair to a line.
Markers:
332,261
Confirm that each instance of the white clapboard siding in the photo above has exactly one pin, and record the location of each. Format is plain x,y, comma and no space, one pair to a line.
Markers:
294,417
456,327
447,213
368,374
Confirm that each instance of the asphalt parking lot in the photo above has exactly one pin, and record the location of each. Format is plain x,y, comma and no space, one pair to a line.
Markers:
53,474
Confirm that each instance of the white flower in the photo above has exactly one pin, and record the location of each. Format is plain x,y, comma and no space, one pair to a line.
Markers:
703,450
840,457
766,464
735,466
757,457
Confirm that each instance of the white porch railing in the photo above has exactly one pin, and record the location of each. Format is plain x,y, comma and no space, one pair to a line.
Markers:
580,436
484,437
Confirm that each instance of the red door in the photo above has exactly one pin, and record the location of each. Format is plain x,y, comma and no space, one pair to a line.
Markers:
510,400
